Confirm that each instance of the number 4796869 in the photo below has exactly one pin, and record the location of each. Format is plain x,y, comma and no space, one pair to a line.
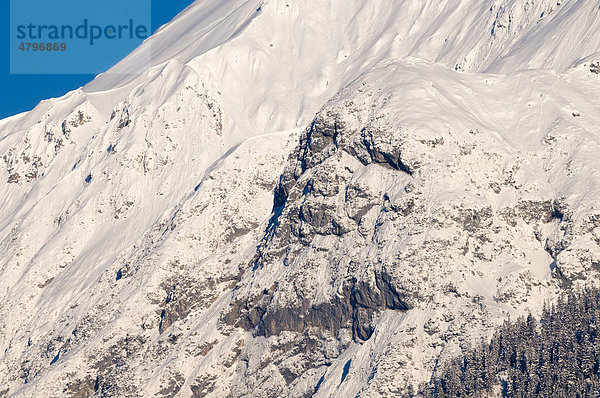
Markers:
43,47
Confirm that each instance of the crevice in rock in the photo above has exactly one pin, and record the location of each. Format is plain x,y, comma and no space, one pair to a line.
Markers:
379,156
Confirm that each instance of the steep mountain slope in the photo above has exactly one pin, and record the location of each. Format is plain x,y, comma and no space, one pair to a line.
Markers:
400,238
186,226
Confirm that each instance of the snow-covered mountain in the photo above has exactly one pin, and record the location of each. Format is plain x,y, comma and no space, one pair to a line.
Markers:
325,198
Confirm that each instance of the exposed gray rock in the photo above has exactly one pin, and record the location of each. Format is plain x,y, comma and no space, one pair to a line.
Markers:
353,308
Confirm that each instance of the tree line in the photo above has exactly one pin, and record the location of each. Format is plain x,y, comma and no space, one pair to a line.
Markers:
555,356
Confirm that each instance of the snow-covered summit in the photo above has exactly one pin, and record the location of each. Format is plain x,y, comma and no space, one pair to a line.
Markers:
326,197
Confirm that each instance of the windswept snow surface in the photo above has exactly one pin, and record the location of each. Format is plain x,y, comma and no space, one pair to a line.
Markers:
325,198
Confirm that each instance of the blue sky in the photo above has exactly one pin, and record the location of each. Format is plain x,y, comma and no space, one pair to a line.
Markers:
19,93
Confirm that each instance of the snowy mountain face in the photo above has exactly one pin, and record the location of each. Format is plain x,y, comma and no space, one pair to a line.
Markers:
326,198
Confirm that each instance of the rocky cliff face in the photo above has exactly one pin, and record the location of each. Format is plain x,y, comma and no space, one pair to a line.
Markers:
441,231
323,218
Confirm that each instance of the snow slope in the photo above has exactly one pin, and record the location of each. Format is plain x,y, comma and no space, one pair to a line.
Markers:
300,198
